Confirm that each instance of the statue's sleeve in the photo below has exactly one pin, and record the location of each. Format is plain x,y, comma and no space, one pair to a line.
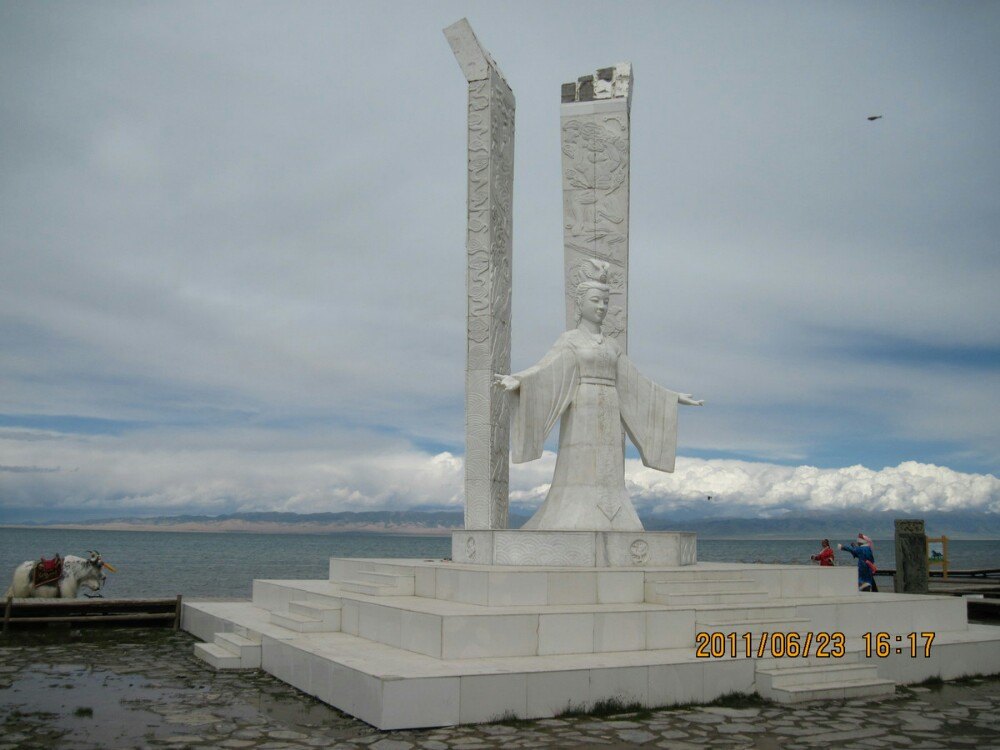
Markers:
649,413
546,390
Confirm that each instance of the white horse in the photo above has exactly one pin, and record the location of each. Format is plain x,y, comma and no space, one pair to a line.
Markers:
76,572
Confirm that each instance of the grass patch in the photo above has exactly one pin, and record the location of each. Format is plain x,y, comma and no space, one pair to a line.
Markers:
84,712
511,719
42,716
740,700
971,678
618,708
606,708
937,683
729,700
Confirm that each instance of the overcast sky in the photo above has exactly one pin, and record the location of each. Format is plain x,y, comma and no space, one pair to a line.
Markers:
232,248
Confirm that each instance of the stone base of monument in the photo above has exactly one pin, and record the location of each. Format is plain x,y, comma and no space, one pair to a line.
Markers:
575,549
419,643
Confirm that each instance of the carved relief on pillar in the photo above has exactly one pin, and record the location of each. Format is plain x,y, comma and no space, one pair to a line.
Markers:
478,241
501,241
488,279
909,526
595,162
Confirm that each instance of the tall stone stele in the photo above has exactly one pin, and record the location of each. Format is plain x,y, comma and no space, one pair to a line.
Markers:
488,279
911,557
595,133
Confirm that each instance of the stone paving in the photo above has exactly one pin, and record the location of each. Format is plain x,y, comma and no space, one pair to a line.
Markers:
144,689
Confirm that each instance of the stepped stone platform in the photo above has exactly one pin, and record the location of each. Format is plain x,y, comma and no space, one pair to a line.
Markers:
419,643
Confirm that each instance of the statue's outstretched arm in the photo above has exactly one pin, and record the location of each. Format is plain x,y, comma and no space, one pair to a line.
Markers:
649,413
512,382
542,394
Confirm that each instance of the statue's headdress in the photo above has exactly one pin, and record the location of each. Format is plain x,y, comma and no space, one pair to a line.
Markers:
590,274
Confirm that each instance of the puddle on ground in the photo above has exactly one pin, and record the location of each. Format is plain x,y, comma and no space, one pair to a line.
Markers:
944,695
144,688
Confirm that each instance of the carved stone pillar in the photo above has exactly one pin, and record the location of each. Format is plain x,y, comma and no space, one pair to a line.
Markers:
595,165
911,557
488,280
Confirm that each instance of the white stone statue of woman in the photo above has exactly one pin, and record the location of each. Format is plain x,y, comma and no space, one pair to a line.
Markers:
587,380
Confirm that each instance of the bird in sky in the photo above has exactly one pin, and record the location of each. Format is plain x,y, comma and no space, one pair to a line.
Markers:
873,118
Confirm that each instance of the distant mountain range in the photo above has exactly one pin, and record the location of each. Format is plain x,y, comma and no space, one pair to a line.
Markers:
841,525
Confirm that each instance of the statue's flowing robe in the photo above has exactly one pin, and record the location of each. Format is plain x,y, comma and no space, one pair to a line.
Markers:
595,389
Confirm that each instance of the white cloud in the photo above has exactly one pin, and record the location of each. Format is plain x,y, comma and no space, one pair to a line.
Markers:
751,489
159,473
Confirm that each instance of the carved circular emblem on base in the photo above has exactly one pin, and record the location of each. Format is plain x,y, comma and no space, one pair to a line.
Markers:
470,548
639,550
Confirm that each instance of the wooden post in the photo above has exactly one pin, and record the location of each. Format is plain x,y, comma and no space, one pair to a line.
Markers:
6,613
177,614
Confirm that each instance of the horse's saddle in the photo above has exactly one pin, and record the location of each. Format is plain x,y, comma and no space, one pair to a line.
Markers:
47,571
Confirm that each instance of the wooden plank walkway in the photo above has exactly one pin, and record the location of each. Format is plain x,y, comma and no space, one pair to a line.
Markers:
21,613
969,573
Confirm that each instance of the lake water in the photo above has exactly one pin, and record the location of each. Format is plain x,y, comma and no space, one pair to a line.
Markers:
223,565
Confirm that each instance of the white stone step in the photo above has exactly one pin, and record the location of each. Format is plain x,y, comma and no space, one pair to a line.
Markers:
351,569
773,663
816,674
328,613
401,586
695,574
797,625
528,586
767,611
703,587
719,597
275,595
247,633
217,656
829,691
366,587
301,623
376,576
246,649
449,630
397,584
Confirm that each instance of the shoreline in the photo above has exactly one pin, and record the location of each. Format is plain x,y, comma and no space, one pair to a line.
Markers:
233,526
240,527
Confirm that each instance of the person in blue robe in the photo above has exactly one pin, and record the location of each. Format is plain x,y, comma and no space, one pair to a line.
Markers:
865,556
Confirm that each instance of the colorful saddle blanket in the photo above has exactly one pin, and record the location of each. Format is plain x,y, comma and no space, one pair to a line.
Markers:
47,571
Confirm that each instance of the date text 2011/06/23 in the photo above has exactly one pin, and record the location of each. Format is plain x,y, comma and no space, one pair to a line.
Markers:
822,645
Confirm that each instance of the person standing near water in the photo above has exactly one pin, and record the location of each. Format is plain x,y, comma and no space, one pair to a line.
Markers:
863,553
825,556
